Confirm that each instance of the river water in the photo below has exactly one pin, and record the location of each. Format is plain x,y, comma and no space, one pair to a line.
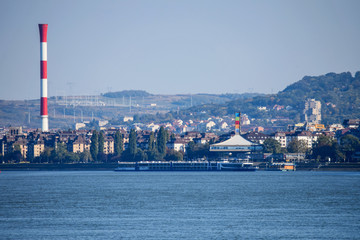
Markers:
179,205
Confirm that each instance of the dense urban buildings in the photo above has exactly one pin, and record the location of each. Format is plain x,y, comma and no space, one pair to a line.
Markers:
26,145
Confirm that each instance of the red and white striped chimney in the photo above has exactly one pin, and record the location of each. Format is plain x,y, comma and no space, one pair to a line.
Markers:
43,79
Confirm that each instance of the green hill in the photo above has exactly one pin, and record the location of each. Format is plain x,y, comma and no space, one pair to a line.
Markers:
127,93
339,95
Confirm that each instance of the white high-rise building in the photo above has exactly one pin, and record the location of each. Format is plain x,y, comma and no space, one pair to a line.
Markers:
312,111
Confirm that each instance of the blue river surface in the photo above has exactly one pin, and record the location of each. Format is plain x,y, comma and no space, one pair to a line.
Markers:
179,205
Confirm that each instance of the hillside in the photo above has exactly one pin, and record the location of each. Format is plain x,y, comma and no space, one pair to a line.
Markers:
64,111
339,95
177,100
127,93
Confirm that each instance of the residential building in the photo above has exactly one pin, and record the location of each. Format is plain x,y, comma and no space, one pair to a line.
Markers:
245,119
351,123
281,138
14,131
177,145
256,137
35,148
335,127
79,145
210,125
306,136
109,145
23,145
128,118
223,125
312,111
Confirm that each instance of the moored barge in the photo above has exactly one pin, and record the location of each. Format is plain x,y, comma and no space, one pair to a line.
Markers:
185,166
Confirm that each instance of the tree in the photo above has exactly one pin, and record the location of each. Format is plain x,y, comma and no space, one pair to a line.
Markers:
161,141
140,155
152,152
339,155
197,150
297,146
94,147
60,153
132,146
172,137
190,150
14,155
85,157
323,141
172,155
101,142
72,157
17,156
272,146
118,143
151,145
153,155
348,145
45,156
324,148
101,157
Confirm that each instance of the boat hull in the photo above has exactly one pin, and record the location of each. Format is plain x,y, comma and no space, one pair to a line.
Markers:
185,166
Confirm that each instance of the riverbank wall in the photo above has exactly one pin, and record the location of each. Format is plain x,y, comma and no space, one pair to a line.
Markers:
311,166
58,167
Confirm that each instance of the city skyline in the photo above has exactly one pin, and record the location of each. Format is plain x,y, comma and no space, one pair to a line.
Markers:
175,47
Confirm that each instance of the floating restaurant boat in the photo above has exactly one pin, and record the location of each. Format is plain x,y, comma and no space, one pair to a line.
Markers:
236,144
186,166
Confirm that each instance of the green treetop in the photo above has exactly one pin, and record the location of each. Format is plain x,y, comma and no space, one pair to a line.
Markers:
272,146
94,147
297,146
118,143
132,148
101,142
161,141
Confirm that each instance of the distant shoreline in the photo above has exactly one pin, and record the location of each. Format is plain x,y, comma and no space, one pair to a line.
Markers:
58,167
348,167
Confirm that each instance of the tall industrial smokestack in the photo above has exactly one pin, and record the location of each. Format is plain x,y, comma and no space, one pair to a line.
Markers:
43,78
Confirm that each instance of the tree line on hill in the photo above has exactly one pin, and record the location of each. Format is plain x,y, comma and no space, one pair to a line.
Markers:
339,95
127,93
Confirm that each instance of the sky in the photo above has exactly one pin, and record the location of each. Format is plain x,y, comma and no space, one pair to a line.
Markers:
174,46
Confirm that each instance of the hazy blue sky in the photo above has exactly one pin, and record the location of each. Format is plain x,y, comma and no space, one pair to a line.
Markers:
169,47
